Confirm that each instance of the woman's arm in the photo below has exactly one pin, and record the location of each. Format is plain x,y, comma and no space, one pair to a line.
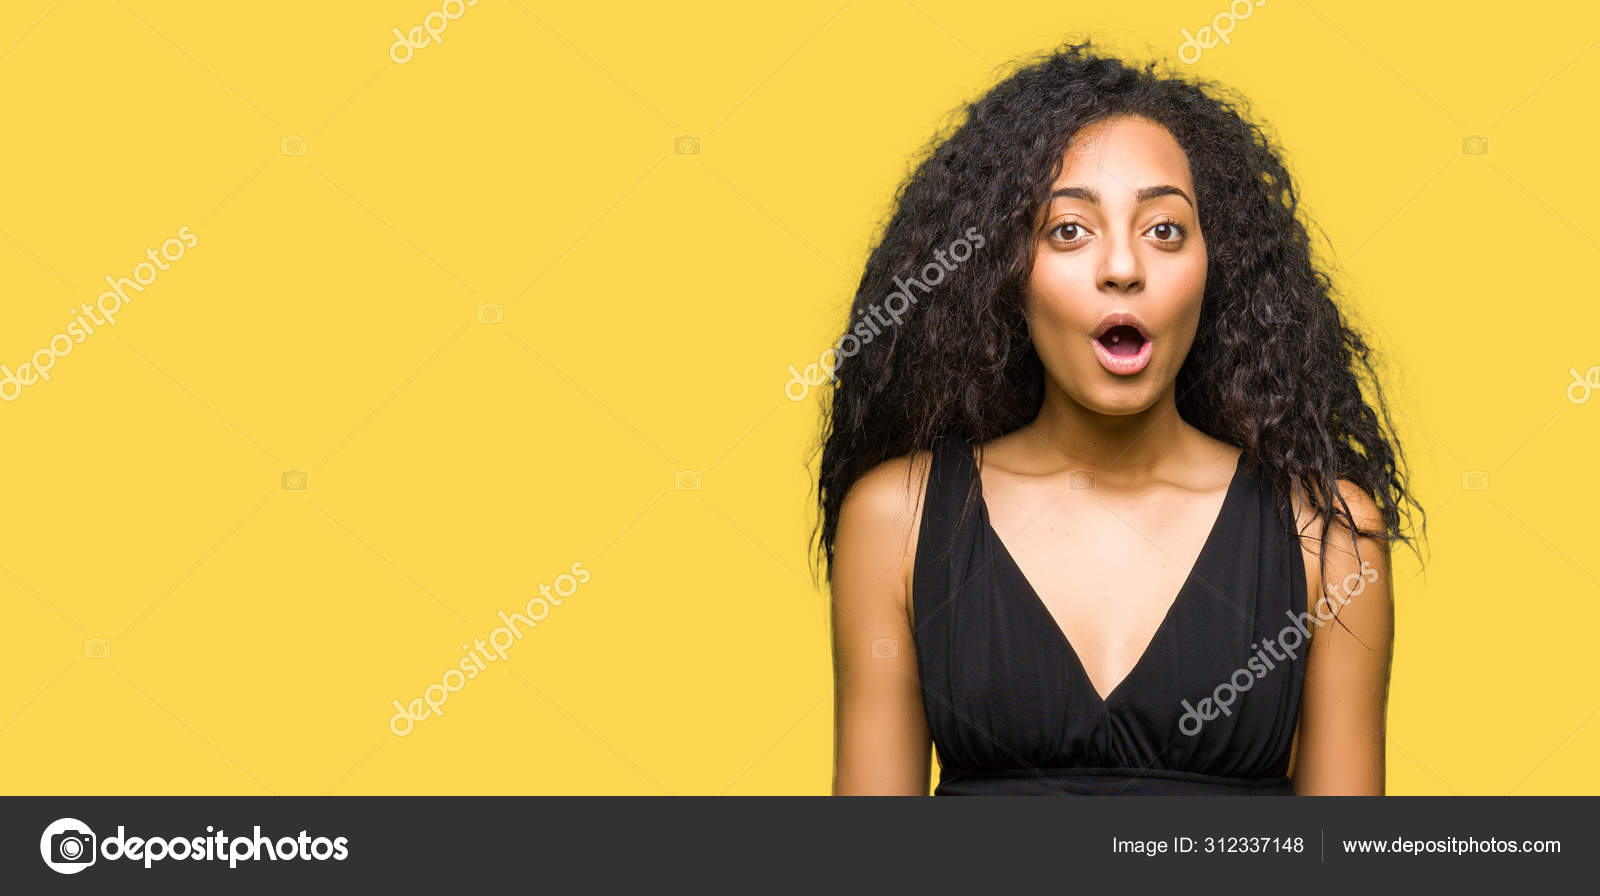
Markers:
1340,747
881,740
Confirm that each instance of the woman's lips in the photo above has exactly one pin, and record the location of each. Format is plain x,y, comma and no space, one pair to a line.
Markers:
1122,350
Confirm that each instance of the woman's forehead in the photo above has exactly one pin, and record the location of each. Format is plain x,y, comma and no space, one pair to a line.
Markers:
1126,152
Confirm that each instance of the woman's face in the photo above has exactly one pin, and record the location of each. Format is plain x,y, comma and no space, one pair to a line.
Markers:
1120,234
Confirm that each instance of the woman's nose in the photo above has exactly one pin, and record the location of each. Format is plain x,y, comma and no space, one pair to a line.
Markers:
1119,267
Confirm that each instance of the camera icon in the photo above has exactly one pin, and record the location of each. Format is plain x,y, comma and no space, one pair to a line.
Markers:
67,846
292,146
1476,145
885,648
1081,480
294,481
491,314
686,145
72,846
1475,481
96,648
686,481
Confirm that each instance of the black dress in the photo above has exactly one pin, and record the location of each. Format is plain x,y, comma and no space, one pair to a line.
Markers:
1011,709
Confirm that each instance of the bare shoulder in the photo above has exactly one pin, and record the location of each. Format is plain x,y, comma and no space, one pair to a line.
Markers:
879,521
882,744
1355,564
1340,744
1310,522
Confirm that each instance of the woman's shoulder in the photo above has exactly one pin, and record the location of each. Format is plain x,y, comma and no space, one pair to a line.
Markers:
889,495
1350,557
1310,520
880,519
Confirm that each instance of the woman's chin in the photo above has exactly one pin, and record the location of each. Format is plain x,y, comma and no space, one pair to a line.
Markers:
1121,399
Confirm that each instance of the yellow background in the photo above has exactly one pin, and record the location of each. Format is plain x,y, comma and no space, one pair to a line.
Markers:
327,321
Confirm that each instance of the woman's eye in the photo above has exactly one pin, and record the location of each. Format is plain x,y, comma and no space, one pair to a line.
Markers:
1066,237
1168,231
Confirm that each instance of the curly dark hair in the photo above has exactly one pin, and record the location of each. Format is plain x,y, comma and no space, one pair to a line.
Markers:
1273,369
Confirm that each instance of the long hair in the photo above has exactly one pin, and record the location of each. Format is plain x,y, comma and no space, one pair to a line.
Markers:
1273,369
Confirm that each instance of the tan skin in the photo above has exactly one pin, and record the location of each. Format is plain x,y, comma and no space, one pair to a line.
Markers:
1105,560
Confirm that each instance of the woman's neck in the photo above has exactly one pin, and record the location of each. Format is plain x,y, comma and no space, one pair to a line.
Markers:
1136,445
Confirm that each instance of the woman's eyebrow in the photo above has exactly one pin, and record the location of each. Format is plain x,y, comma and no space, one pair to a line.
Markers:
1145,194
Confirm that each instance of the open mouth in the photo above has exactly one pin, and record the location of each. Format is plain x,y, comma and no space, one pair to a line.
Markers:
1122,341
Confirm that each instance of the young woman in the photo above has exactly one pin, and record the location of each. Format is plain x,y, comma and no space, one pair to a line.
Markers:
1103,506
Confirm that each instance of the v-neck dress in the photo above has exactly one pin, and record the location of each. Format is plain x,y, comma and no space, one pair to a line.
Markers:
1209,708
